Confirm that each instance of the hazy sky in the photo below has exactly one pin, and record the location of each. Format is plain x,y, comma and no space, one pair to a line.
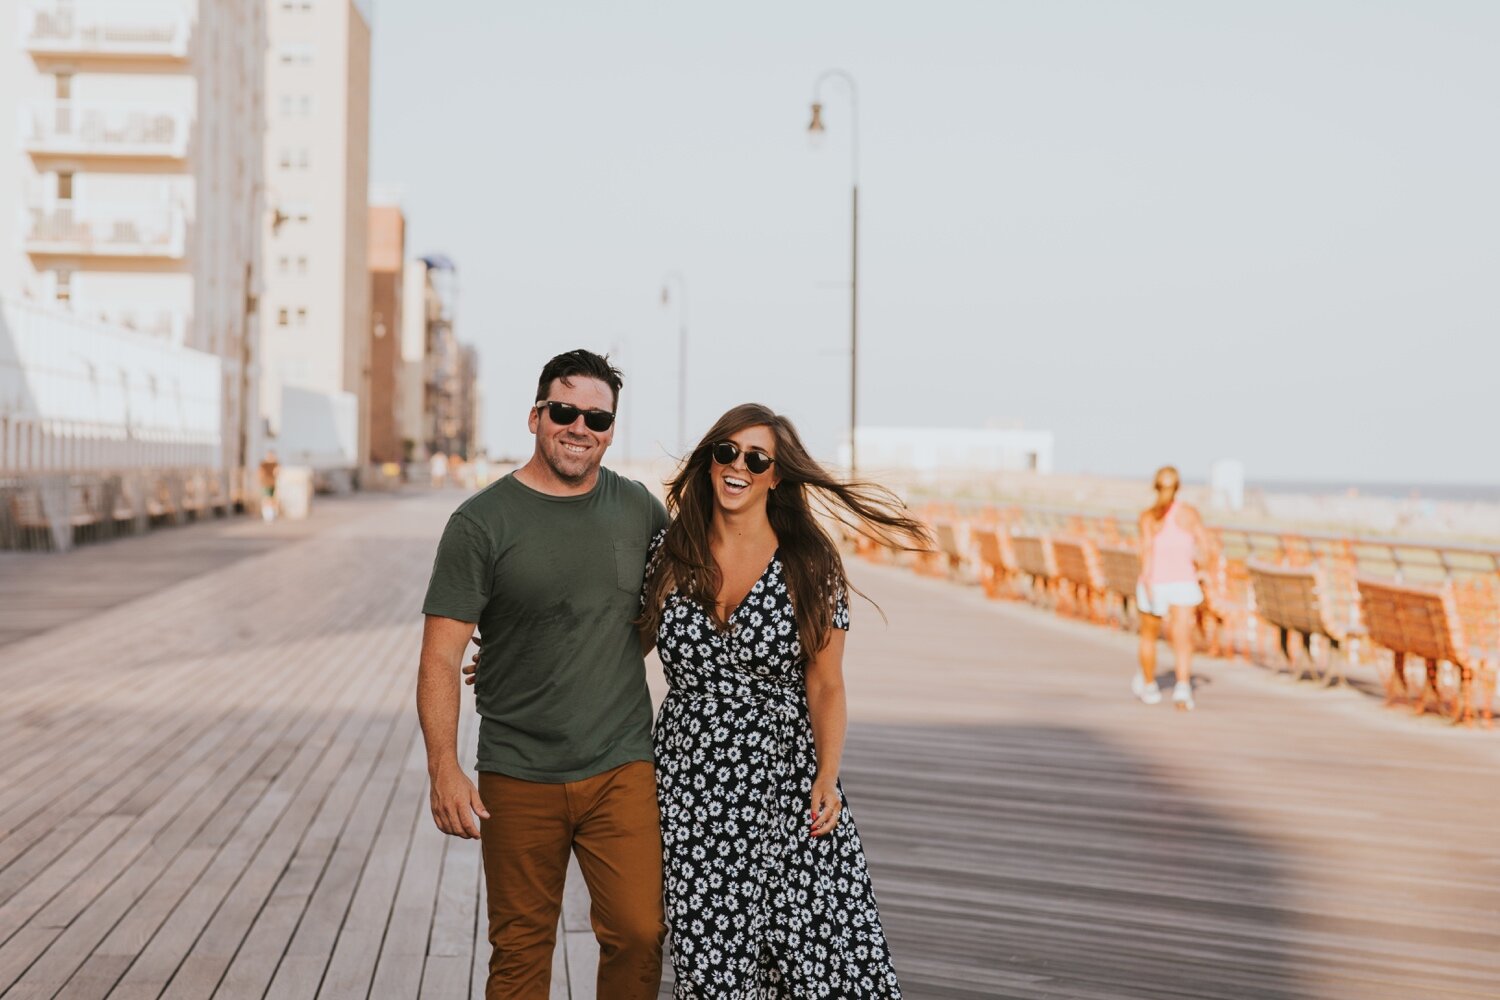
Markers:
1167,231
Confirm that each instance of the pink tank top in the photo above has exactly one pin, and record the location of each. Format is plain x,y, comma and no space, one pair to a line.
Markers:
1172,551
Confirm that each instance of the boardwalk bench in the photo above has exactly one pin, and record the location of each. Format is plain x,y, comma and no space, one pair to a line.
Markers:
997,560
1297,601
1034,559
1078,570
1421,621
1121,566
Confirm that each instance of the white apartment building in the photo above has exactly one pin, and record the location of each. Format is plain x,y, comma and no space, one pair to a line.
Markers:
315,320
131,195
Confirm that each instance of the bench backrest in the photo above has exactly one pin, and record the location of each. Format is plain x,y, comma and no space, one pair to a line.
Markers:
1121,566
994,547
1078,562
1034,555
1414,619
1294,598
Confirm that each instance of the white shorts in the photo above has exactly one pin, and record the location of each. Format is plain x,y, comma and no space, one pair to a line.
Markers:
1186,593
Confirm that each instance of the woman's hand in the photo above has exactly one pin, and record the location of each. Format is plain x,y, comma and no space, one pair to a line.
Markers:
827,805
472,667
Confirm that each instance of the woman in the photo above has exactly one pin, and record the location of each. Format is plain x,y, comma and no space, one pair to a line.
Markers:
1168,588
767,893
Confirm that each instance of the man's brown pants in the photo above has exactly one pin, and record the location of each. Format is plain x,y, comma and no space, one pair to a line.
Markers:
611,821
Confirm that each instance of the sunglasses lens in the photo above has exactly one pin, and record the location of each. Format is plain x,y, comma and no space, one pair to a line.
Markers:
725,452
563,415
757,461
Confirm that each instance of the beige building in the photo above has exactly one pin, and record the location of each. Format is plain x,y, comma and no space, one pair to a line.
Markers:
132,194
315,324
387,284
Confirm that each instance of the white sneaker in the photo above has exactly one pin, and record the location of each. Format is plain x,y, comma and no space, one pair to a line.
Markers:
1148,693
1182,695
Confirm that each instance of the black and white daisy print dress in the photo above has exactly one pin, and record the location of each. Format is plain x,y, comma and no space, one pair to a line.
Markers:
758,908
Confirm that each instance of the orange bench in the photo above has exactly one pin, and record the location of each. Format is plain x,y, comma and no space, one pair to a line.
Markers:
1413,620
1297,601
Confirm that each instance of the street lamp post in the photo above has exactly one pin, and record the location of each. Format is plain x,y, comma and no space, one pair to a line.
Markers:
682,320
815,129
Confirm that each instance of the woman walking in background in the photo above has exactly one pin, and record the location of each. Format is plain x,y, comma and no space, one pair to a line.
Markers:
1168,589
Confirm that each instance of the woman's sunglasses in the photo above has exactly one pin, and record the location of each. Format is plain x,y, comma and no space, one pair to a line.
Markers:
563,415
725,452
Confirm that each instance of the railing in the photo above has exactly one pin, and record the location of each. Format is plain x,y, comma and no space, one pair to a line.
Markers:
107,230
119,31
73,128
163,324
1402,559
77,395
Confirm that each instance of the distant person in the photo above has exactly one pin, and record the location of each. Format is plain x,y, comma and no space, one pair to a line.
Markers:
548,561
439,469
269,467
1171,532
481,470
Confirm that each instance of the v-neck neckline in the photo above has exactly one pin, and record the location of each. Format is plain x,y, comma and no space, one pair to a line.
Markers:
729,618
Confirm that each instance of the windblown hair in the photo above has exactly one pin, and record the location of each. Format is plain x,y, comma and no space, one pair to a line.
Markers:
580,363
1159,505
814,569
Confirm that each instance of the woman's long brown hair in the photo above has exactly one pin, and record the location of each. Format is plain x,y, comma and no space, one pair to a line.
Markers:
810,558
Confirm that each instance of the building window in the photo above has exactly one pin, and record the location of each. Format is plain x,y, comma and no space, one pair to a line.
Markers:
306,105
65,186
302,315
301,265
286,105
64,86
296,54
285,159
302,158
284,264
65,286
281,317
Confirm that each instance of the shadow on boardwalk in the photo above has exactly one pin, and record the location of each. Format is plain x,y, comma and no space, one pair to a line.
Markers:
1042,861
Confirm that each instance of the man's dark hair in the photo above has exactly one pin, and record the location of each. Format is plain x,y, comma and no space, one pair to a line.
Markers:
580,363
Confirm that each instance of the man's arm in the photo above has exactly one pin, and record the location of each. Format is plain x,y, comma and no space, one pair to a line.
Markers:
455,801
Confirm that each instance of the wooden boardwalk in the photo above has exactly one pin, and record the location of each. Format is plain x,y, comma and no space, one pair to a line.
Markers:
215,787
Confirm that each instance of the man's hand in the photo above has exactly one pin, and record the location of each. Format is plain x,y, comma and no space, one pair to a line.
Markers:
455,803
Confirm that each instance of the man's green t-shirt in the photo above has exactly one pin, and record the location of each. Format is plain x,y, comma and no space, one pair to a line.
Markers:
554,583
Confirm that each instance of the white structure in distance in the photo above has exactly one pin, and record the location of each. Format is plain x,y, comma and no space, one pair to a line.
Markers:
932,450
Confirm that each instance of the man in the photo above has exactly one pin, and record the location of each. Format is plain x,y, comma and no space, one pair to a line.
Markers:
549,562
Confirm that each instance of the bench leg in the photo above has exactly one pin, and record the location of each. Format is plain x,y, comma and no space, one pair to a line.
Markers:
1338,656
1395,684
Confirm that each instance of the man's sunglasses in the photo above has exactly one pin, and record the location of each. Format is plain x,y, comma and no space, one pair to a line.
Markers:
563,415
725,452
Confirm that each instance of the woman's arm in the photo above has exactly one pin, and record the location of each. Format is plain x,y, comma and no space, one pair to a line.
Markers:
1146,528
830,718
1202,537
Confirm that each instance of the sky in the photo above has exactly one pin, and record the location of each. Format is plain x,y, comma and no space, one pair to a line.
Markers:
1165,231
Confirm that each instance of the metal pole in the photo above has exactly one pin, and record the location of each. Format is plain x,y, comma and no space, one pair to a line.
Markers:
848,80
854,331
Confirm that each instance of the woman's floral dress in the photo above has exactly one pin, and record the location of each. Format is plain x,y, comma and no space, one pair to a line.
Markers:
758,907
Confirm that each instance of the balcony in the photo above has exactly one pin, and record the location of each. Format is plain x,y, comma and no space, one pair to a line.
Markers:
59,28
76,128
144,231
164,324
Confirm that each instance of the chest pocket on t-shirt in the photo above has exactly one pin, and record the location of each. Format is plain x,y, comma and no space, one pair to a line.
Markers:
630,566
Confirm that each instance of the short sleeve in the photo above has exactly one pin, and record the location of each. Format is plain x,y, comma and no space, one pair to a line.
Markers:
659,519
841,609
652,552
459,587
